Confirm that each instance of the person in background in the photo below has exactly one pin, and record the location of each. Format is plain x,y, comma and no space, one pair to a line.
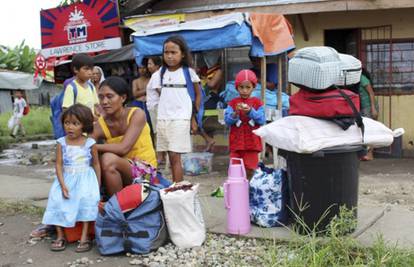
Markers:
245,114
367,103
153,97
74,195
19,104
212,82
139,90
175,121
98,76
139,85
82,66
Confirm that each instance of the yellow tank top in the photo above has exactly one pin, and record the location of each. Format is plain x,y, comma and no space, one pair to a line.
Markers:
142,149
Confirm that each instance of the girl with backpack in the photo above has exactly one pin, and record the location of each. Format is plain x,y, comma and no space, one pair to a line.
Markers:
175,118
74,195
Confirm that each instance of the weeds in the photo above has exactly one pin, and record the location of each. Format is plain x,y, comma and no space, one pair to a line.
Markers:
336,248
19,207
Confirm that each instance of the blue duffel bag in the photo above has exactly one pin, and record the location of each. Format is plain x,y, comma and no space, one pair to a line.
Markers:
139,231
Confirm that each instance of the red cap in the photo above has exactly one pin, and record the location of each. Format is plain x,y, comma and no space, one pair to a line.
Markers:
245,75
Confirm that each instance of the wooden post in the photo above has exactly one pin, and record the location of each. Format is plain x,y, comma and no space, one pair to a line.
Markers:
280,59
280,81
263,78
263,95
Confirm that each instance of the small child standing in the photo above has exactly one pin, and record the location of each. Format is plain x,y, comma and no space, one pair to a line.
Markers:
18,107
245,114
175,108
74,195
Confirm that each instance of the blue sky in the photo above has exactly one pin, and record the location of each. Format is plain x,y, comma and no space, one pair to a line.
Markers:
20,19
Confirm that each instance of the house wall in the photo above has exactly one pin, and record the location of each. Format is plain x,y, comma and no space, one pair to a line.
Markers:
402,22
6,103
44,94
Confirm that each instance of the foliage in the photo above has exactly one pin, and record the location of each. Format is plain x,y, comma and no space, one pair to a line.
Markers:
69,2
336,248
17,207
36,122
19,58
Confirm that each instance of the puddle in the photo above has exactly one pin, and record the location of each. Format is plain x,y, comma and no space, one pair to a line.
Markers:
24,154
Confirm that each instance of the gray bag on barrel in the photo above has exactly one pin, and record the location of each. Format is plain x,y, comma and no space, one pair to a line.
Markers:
140,230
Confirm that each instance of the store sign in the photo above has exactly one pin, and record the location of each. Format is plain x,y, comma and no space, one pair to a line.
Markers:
87,47
90,26
149,22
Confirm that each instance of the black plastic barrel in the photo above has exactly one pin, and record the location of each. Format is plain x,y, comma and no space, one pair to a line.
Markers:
327,179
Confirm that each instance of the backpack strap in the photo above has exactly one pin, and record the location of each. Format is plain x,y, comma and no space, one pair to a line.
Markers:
75,90
189,83
162,72
357,115
191,92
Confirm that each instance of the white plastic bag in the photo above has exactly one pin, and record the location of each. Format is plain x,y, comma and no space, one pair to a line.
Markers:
12,122
184,218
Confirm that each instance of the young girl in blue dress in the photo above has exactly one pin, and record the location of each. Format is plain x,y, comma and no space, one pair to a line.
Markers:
74,195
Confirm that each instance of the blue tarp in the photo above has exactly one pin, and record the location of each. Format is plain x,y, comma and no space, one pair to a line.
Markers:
233,35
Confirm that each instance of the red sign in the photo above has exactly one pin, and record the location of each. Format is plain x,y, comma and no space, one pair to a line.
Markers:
90,26
40,62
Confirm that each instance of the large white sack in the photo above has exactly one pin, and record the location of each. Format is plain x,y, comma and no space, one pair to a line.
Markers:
184,217
303,134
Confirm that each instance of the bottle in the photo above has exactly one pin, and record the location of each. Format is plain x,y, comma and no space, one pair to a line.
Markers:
236,199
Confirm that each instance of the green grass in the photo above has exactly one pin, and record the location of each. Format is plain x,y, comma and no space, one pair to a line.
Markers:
336,249
36,122
19,207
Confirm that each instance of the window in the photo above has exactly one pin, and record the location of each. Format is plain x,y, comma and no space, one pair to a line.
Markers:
400,55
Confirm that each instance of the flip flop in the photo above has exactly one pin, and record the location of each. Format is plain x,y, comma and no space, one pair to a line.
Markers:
84,246
58,245
42,231
219,192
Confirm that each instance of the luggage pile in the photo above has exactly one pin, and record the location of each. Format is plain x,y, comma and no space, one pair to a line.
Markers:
322,139
324,112
143,216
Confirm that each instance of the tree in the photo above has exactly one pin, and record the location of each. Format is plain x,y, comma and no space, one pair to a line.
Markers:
19,58
69,2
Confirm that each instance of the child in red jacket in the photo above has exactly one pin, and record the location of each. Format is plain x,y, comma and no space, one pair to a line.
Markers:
245,114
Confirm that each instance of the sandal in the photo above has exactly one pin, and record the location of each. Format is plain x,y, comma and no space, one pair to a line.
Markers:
58,245
42,231
84,246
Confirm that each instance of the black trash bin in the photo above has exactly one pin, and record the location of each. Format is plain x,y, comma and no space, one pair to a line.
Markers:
327,179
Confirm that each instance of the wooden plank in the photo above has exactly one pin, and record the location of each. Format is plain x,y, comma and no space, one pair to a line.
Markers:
303,28
304,8
280,81
263,78
378,4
